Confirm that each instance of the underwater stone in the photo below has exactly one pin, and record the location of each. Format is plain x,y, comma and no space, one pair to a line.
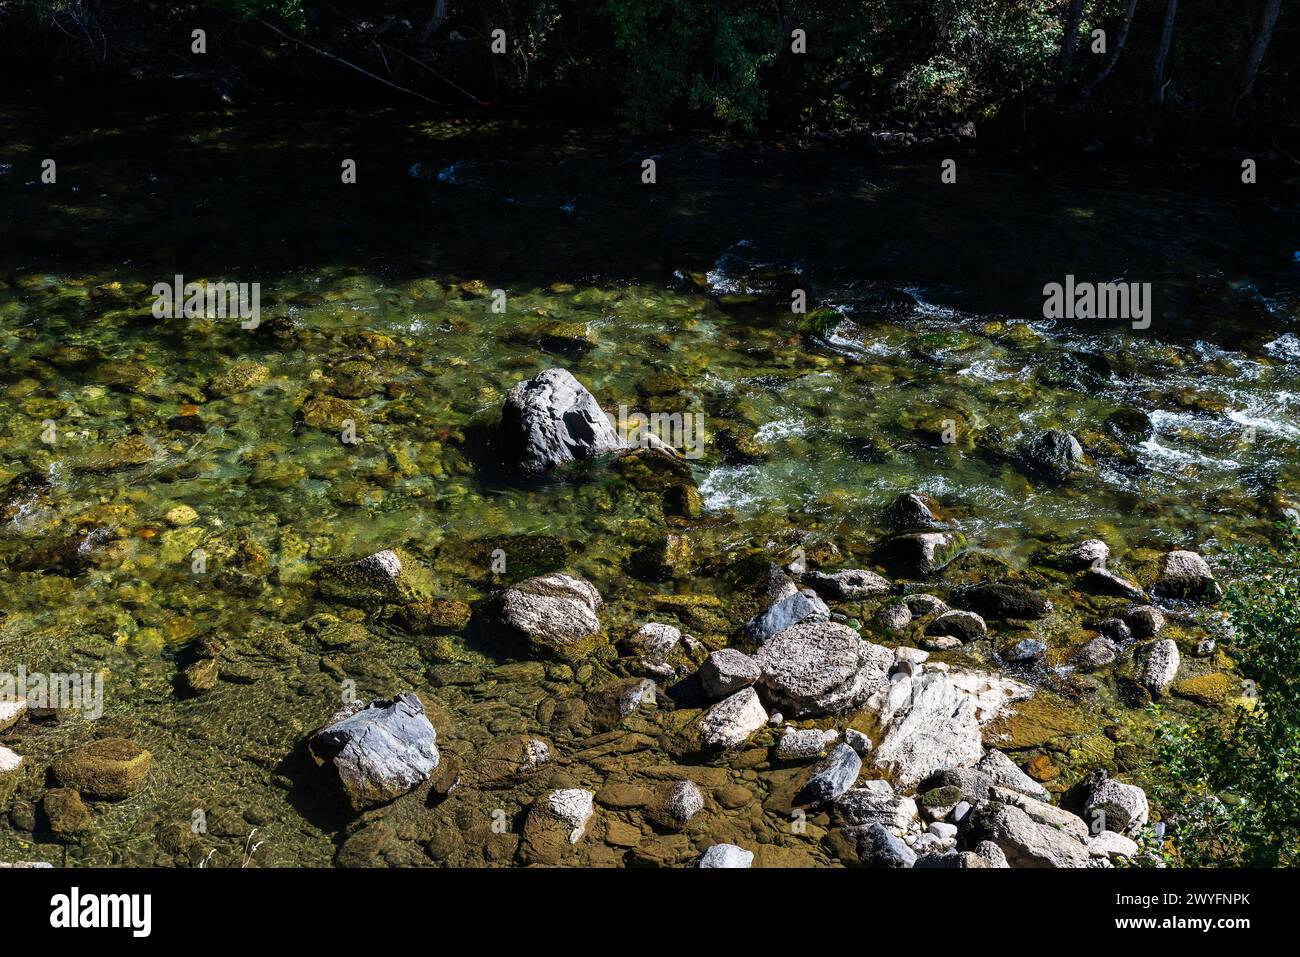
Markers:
552,419
110,768
554,614
68,815
1027,649
726,855
574,807
240,376
1054,454
380,751
684,802
11,712
390,576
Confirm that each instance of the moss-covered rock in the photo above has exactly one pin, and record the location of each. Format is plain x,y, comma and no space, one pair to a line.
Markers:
436,614
387,577
110,768
1209,690
663,557
241,376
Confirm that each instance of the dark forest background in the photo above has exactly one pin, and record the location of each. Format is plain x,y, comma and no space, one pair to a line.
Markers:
1198,71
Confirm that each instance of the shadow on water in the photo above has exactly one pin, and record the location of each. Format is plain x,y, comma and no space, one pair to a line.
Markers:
259,195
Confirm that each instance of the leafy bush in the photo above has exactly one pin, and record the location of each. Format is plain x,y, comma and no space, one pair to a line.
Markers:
1233,783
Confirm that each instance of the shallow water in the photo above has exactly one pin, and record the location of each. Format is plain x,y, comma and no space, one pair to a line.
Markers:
672,297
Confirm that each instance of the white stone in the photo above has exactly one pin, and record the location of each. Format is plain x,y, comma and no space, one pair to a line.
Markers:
573,806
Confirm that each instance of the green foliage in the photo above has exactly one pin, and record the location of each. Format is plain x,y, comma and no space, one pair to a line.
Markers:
1234,782
700,55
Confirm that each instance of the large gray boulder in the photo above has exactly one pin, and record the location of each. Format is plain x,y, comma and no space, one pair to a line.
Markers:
726,671
550,420
554,614
820,667
1187,575
1024,841
1005,773
878,847
933,720
380,751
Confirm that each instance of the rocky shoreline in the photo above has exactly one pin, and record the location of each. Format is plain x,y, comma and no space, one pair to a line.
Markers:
888,736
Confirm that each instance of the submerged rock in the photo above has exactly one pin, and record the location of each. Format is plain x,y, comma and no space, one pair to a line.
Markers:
555,821
552,419
820,667
380,751
110,768
684,801
388,577
1054,454
554,615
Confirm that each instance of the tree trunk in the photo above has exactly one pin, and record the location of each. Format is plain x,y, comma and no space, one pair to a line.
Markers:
1121,37
1162,53
1267,21
1069,44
